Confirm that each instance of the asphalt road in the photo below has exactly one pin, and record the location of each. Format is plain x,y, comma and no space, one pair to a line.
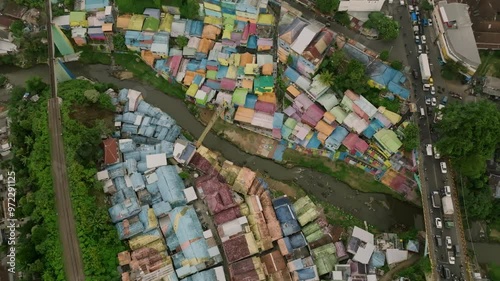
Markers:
72,256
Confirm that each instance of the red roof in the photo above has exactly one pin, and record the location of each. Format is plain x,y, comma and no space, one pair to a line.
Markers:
111,153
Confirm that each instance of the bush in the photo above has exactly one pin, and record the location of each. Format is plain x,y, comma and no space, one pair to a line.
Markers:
384,55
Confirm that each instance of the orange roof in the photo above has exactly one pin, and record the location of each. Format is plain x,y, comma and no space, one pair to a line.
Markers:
267,69
111,153
322,137
188,78
267,97
324,128
247,84
210,32
244,115
329,117
293,91
245,59
107,27
123,21
243,19
148,57
205,45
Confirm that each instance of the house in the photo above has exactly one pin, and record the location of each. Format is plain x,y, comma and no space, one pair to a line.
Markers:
111,152
360,9
388,140
456,38
485,26
361,245
94,5
13,10
184,151
7,47
78,19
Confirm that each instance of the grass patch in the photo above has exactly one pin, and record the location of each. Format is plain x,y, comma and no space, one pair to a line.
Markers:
353,176
142,71
494,271
175,3
417,271
91,56
490,64
136,7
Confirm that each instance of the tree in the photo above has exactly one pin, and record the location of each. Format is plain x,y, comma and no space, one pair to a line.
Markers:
181,41
384,55
190,9
387,28
327,6
3,80
469,134
92,95
411,137
477,198
397,65
326,77
452,70
119,42
289,60
342,18
35,85
426,6
17,28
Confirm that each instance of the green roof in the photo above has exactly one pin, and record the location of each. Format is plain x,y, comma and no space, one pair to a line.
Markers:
136,22
212,74
388,140
151,24
77,16
61,41
306,210
263,84
240,96
324,258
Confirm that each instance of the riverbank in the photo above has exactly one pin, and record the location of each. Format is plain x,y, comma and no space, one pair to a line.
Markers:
380,210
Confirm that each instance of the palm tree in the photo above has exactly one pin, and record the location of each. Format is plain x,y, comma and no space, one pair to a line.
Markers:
326,77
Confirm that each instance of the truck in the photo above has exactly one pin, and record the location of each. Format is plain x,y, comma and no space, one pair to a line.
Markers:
447,206
414,17
436,202
425,69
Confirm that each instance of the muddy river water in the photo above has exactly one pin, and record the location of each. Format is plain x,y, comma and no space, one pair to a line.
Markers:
380,210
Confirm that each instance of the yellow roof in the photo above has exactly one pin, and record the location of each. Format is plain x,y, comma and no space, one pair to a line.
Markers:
212,20
123,21
166,23
136,22
193,88
266,19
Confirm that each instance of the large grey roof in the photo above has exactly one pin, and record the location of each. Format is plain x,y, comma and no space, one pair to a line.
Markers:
461,39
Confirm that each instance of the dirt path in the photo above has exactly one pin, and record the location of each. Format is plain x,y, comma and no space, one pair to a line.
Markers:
402,265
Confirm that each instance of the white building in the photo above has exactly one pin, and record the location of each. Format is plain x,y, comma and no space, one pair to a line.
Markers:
456,38
360,9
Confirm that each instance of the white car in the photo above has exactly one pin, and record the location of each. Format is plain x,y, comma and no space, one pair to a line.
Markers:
444,170
410,7
448,242
428,101
419,49
417,39
447,190
426,87
424,40
439,223
433,90
416,8
402,2
436,153
433,101
430,22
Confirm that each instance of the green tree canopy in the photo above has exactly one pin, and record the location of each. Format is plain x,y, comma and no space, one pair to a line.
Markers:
327,6
384,55
388,29
397,65
411,136
469,134
326,77
181,41
190,9
343,18
452,70
17,28
477,198
426,6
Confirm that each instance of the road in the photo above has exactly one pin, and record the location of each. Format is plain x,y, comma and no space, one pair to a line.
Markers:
72,256
433,179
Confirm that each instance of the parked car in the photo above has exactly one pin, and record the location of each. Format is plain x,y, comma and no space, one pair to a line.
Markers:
402,2
430,22
444,169
426,87
415,73
419,49
438,240
410,8
433,101
444,101
448,242
423,39
433,90
447,190
417,39
447,273
439,223
428,101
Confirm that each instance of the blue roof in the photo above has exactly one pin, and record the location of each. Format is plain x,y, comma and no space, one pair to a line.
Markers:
281,201
206,275
171,185
286,217
161,208
196,28
135,227
398,90
250,101
377,259
95,4
221,73
131,34
306,273
155,13
292,74
297,240
252,42
124,210
137,181
314,142
278,120
143,217
334,141
374,126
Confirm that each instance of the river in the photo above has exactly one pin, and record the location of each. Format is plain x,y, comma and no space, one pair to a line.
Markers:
385,210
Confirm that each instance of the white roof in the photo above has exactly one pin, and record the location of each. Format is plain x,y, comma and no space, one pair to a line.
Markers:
207,234
363,235
128,181
371,277
231,228
151,178
138,120
337,276
305,37
103,175
156,160
190,194
159,48
361,5
213,251
61,20
364,253
395,255
133,97
219,273
107,10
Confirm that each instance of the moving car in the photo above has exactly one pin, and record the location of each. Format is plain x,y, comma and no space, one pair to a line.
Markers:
447,190
419,49
423,39
428,101
449,245
439,242
426,87
433,101
410,7
415,73
439,223
436,153
417,39
430,22
444,170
